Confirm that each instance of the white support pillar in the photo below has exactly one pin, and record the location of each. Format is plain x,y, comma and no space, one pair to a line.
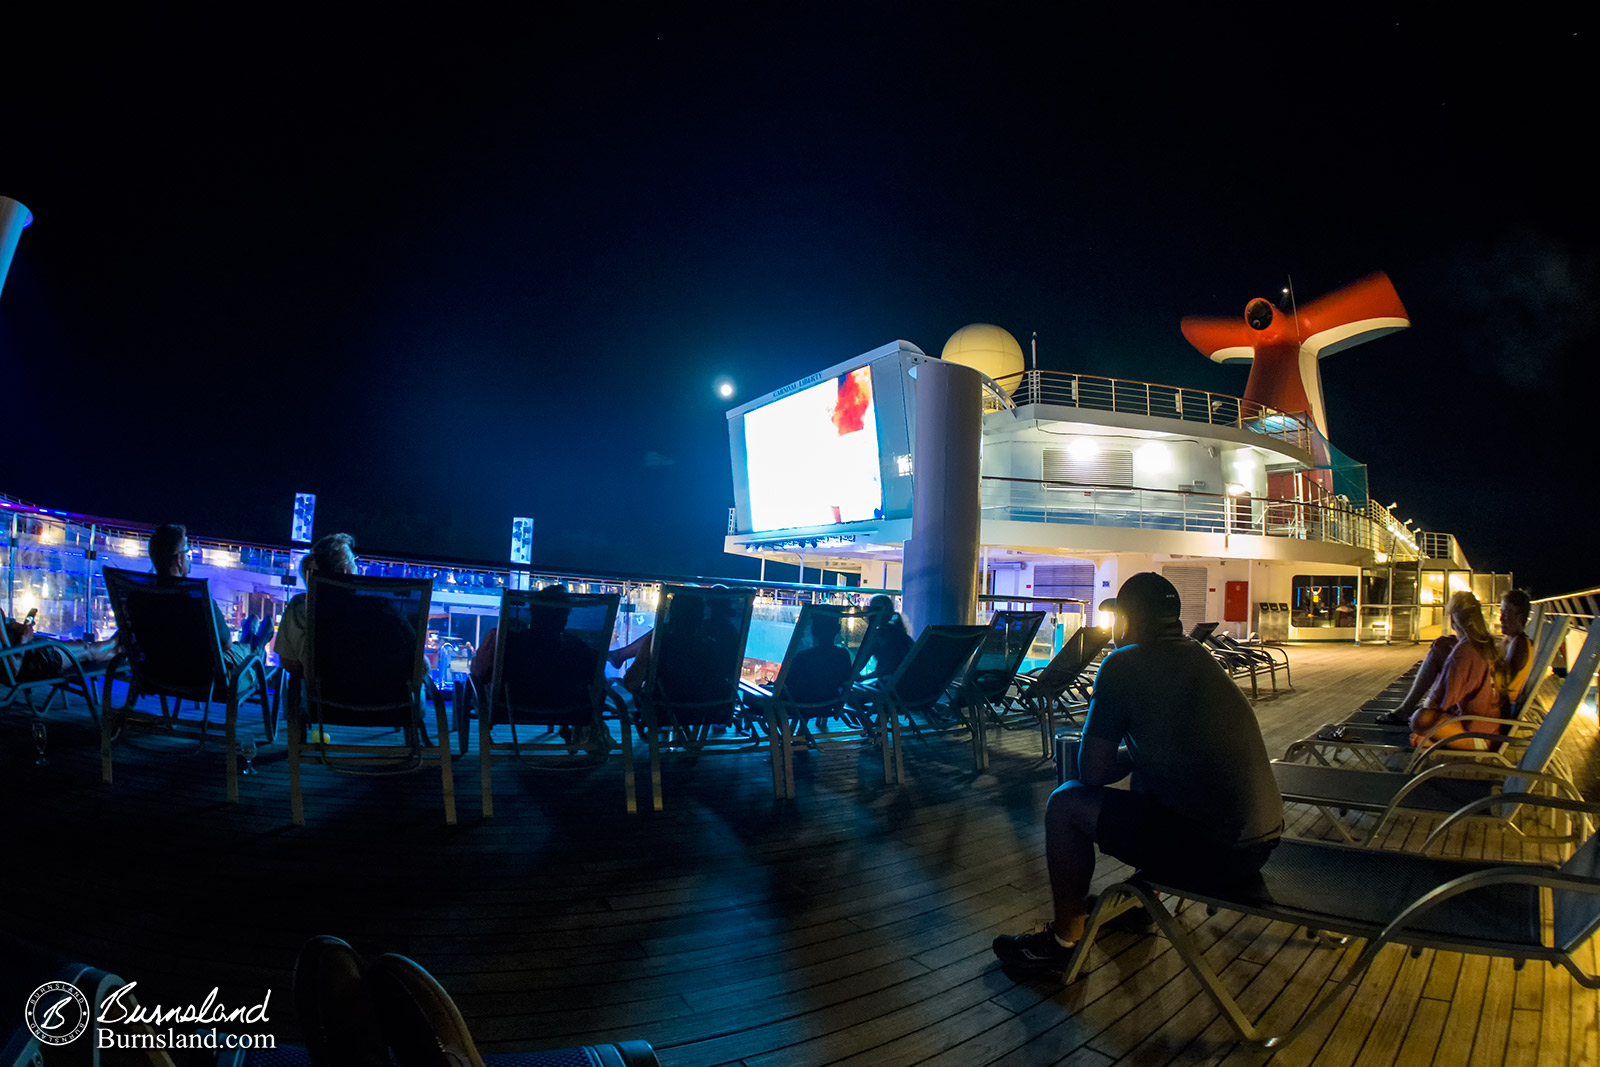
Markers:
941,558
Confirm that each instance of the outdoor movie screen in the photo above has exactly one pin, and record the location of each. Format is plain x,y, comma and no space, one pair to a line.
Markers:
813,456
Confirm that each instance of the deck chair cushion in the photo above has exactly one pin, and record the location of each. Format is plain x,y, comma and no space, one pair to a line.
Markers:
1358,890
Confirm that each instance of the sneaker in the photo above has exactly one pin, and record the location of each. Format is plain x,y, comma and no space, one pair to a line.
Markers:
1389,718
1035,953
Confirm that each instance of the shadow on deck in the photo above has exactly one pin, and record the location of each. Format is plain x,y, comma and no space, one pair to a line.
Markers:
851,924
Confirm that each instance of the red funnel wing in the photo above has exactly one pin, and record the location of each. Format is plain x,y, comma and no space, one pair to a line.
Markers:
1221,340
1346,317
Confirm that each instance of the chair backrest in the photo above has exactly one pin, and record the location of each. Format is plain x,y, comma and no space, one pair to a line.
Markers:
697,651
1009,638
1542,746
826,650
365,639
1551,634
172,642
937,658
8,676
549,662
1577,915
1202,631
1075,656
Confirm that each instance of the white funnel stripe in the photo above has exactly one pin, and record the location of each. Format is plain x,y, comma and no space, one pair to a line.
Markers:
1236,354
1311,382
1339,338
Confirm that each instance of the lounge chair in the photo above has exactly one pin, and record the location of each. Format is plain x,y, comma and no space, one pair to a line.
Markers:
1467,906
993,671
365,669
1059,685
549,672
924,680
75,678
1262,655
807,697
1456,781
1241,664
173,651
691,693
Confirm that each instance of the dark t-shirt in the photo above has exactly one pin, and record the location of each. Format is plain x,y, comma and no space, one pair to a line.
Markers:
1192,736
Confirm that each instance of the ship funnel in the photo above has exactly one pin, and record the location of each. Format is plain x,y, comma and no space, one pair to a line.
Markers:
14,218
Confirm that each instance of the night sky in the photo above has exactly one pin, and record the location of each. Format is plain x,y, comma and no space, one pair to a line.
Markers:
447,273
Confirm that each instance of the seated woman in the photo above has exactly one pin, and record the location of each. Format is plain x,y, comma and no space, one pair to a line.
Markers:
890,641
1471,681
50,661
332,554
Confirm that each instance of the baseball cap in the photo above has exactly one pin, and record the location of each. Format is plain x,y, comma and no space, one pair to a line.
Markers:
1149,596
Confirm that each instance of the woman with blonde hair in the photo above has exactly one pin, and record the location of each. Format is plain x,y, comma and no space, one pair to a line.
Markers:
1472,681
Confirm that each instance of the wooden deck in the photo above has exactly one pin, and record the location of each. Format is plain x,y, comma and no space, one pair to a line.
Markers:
851,925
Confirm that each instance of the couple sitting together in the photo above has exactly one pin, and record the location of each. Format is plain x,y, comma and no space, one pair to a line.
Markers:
1467,673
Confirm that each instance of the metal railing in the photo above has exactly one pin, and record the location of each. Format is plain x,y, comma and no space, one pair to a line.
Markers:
1026,500
1092,392
51,561
1581,607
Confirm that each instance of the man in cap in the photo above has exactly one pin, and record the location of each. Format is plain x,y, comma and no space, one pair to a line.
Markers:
1203,807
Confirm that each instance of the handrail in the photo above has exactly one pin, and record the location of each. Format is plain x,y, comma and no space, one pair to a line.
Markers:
1052,501
1581,607
122,528
1158,400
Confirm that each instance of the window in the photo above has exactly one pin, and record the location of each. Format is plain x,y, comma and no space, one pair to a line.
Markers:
1323,600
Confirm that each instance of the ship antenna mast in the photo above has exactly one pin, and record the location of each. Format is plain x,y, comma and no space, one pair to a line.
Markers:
1035,350
1293,309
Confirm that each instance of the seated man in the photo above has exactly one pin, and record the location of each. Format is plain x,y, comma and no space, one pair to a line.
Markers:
558,663
1515,607
821,672
169,555
1203,808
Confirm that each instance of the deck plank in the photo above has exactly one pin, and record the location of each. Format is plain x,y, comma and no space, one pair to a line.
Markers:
849,925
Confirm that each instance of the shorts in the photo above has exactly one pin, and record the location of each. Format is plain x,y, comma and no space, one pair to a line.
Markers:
1168,846
41,663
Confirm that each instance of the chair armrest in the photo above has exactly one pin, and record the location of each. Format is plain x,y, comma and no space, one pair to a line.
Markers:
1543,800
1480,770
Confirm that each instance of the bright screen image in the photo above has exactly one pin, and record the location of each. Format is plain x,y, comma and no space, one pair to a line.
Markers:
813,456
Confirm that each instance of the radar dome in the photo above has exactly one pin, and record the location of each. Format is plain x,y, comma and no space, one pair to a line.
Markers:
989,350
